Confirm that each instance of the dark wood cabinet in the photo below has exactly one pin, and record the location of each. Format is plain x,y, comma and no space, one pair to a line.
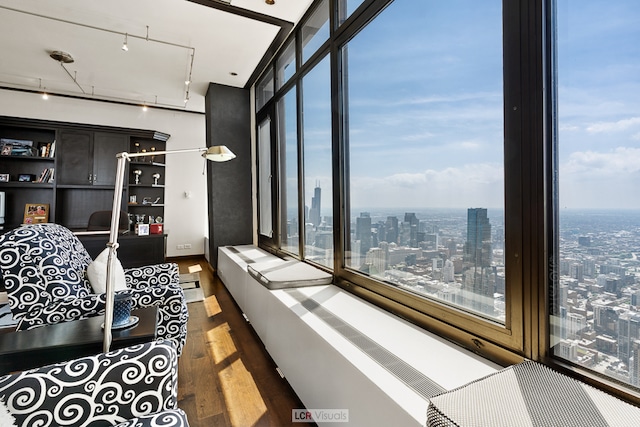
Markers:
82,160
105,148
75,166
133,251
89,158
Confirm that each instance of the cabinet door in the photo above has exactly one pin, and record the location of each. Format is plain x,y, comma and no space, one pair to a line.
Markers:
105,148
74,158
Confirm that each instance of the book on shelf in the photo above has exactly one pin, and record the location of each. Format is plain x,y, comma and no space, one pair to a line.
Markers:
46,176
47,149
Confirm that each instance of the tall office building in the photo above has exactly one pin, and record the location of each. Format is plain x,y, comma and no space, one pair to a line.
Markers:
479,277
363,232
628,333
411,223
314,212
477,250
391,229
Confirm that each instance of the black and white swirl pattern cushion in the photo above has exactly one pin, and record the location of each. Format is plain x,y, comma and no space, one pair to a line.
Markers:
42,262
101,390
174,418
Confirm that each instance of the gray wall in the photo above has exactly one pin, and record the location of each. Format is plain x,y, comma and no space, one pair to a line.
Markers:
228,122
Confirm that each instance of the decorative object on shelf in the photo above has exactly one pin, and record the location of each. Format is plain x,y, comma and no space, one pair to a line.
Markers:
152,219
4,177
156,177
36,213
149,201
143,229
218,153
137,145
137,173
155,228
26,177
133,199
158,220
17,147
153,157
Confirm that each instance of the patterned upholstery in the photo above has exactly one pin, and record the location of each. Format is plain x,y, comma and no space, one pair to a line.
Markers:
529,394
43,268
130,386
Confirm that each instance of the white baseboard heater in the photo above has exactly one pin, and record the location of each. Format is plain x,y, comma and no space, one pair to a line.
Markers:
339,352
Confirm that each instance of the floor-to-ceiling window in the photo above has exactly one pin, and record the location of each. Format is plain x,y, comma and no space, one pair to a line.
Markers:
288,144
464,164
596,310
425,141
318,195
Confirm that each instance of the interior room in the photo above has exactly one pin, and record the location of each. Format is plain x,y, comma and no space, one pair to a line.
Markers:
321,212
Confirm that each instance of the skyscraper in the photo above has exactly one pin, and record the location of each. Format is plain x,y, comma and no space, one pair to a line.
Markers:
477,249
479,279
314,212
363,232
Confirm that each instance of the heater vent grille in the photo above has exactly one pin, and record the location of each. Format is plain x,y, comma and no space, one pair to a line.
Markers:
406,373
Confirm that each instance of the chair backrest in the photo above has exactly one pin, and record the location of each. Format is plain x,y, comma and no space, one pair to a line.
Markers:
40,263
101,221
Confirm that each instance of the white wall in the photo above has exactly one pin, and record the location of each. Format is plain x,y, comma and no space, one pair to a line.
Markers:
185,218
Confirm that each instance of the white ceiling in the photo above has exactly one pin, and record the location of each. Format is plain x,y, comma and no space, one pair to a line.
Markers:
163,37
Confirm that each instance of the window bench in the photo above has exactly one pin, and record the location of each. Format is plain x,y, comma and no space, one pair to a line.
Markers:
340,352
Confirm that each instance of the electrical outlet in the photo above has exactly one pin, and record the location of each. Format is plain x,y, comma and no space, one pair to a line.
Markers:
187,245
180,247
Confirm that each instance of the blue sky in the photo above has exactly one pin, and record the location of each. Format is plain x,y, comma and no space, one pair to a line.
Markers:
426,107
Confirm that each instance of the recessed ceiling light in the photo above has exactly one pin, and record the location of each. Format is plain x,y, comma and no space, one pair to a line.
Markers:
270,1
233,73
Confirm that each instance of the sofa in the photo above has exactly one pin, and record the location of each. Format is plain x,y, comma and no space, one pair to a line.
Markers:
46,272
133,386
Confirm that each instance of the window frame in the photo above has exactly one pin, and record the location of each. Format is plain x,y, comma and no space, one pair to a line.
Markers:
530,218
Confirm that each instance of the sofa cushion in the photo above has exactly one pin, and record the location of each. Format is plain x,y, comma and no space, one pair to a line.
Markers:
97,274
6,419
40,263
288,274
171,418
529,394
100,390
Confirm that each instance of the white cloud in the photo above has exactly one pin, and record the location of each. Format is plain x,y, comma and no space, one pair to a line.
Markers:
622,160
617,126
469,185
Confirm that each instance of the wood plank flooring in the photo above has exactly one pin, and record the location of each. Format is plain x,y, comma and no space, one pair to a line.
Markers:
225,376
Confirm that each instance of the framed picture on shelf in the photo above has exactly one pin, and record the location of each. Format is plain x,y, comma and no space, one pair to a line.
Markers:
36,213
4,177
26,177
17,147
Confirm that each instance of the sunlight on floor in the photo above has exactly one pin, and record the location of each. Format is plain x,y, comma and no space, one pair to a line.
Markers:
237,383
211,306
221,343
239,387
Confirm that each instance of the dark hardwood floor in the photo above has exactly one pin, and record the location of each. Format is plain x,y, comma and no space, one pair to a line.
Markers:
226,377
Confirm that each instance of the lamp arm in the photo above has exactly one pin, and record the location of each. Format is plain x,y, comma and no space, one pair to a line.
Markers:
113,249
159,153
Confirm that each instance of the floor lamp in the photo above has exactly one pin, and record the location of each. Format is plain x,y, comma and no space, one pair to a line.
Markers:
218,153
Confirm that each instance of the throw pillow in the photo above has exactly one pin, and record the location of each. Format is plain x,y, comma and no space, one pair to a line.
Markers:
6,419
97,274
